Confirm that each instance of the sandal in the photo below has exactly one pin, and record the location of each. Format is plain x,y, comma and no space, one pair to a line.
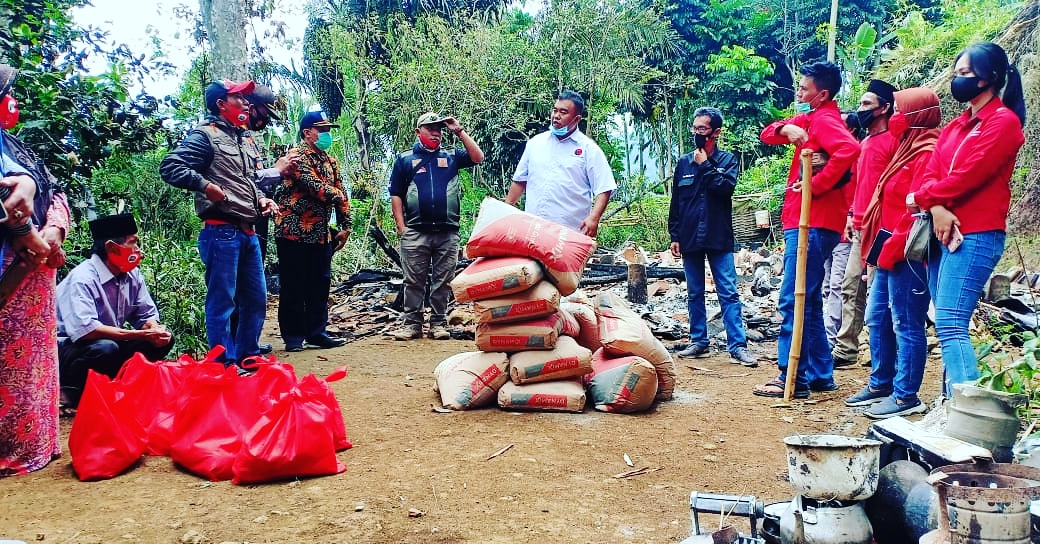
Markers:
65,406
775,389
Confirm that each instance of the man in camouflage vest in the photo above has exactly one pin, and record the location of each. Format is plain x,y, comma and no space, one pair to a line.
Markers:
217,164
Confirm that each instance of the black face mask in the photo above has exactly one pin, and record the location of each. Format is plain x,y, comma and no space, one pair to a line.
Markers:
700,140
965,88
865,117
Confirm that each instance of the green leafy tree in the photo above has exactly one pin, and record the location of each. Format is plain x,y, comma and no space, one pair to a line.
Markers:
741,86
74,121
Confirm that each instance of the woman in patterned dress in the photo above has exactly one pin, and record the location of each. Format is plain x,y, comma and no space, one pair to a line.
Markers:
38,220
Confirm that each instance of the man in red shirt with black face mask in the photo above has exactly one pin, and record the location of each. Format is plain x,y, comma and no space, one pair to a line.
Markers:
817,126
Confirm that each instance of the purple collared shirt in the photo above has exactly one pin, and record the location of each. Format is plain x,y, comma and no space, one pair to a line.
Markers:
91,296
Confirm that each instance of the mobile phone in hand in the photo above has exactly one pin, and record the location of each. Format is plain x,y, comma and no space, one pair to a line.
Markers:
956,238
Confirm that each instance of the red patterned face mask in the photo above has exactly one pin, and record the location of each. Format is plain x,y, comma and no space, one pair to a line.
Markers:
8,112
125,259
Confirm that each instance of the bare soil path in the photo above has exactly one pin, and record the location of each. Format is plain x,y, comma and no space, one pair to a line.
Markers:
556,484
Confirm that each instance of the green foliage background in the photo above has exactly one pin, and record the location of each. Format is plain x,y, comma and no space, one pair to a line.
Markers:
644,68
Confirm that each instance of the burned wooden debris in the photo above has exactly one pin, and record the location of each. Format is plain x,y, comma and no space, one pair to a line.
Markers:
369,302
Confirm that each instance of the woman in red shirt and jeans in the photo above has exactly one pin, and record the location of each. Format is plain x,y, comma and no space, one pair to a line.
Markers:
967,189
898,303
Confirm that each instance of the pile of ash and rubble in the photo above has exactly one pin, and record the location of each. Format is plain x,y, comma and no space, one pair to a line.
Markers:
369,302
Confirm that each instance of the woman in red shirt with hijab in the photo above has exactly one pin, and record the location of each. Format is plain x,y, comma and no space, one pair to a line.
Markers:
898,303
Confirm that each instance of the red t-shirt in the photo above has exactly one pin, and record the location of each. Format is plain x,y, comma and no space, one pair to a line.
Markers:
875,153
970,171
827,132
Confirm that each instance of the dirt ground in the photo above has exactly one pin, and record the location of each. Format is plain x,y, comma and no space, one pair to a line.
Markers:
556,484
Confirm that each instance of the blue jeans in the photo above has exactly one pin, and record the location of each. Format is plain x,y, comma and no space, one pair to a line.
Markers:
725,275
956,280
896,311
815,365
234,281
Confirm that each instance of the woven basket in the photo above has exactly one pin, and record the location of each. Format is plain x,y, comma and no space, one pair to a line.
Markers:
746,232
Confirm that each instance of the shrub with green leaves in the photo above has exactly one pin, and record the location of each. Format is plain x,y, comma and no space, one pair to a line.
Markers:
644,222
766,180
167,227
1017,375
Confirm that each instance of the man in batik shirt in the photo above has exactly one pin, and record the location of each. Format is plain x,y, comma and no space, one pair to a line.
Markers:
305,240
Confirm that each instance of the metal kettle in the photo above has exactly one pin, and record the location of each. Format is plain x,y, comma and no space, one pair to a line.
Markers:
807,521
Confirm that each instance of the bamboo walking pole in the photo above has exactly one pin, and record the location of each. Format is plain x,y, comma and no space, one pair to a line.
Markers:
799,278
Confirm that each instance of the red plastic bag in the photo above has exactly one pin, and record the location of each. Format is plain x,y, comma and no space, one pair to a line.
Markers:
273,379
296,437
208,428
217,410
175,382
106,438
155,392
324,393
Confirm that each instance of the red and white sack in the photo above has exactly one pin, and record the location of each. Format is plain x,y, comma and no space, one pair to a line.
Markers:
588,324
470,380
622,332
570,324
566,360
489,277
558,396
538,333
504,231
539,301
621,384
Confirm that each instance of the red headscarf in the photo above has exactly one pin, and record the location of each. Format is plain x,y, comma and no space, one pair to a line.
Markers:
919,106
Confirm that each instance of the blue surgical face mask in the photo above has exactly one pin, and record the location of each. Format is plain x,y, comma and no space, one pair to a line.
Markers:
802,107
324,141
562,131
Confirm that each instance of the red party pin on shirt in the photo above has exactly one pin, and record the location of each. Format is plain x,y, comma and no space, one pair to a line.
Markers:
577,151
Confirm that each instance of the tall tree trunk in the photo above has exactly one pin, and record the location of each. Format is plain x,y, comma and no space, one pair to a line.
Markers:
225,22
628,148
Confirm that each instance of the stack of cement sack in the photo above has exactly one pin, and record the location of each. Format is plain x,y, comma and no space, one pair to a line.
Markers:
632,368
535,349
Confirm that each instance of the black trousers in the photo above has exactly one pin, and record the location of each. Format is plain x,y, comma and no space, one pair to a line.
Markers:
305,271
104,356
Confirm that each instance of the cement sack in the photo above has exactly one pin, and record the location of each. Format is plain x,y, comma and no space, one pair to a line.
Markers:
504,231
588,324
567,360
489,277
470,380
621,384
539,301
538,334
570,324
623,332
558,396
